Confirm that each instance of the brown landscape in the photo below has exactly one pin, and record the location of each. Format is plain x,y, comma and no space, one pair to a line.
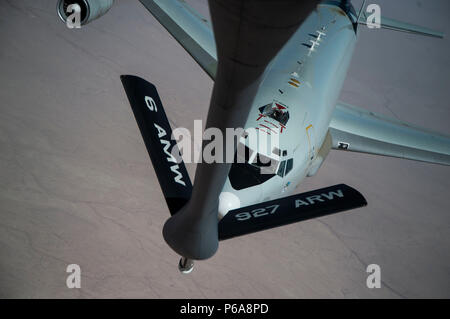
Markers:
77,186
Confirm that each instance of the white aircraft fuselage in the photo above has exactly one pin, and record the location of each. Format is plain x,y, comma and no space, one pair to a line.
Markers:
304,80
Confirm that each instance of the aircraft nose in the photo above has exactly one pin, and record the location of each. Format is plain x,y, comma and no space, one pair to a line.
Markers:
228,201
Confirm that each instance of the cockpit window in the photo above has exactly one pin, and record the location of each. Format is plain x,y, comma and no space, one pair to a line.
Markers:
285,167
267,165
289,166
281,169
276,111
252,171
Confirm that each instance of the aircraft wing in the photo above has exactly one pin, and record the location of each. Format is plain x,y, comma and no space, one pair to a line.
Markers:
357,130
189,28
396,25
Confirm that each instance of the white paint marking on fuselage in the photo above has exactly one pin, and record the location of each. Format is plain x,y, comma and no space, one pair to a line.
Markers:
311,200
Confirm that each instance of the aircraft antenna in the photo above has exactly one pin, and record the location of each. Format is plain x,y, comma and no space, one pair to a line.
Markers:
360,11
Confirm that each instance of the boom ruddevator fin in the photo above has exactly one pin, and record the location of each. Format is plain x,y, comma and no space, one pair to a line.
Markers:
288,210
157,134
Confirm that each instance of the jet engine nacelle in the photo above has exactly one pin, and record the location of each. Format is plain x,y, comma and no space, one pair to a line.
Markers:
90,9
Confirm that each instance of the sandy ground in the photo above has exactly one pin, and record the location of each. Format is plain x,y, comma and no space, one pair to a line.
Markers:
76,184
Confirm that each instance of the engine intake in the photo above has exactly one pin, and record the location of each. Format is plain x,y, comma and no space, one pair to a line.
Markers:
90,9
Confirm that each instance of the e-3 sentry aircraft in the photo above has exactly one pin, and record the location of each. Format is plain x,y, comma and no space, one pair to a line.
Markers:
278,67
